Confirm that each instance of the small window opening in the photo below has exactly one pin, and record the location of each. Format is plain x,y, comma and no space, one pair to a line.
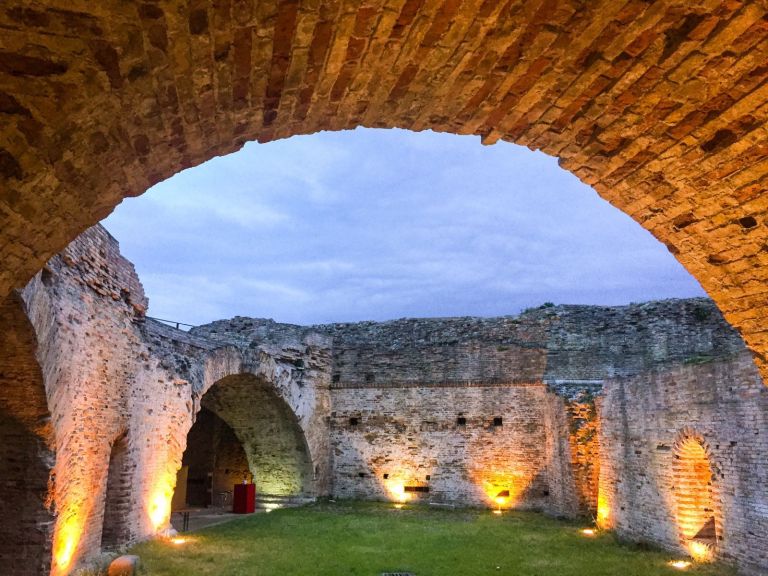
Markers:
498,421
461,421
354,421
386,476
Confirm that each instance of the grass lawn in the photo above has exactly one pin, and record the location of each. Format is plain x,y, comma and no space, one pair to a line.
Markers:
366,539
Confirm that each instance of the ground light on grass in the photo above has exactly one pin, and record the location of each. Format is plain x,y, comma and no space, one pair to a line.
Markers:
367,539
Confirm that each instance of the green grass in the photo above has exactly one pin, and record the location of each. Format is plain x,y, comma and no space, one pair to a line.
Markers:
366,539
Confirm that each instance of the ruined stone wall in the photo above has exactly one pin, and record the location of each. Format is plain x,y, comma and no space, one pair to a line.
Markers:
102,385
388,438
642,418
112,375
560,380
401,382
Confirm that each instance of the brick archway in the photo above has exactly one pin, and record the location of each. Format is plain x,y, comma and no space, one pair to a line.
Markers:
699,517
659,106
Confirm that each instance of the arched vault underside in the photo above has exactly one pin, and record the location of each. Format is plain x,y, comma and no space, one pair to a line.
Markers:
659,105
269,431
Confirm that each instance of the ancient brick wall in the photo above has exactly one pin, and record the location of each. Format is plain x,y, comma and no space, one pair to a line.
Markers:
537,409
114,378
643,417
102,388
27,449
466,444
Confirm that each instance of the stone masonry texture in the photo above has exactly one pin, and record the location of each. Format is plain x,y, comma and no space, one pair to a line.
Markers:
660,106
570,410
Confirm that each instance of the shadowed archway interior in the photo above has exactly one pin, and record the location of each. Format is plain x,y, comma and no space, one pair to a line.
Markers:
26,449
277,455
214,461
117,502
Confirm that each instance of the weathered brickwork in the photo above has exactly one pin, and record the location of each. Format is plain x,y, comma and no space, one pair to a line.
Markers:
26,448
659,106
112,376
216,451
412,436
566,409
645,416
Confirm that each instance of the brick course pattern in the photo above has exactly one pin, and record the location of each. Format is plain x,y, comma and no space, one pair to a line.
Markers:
659,106
568,409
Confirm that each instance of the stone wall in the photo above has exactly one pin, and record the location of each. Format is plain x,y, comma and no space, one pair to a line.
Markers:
112,375
567,409
466,445
643,417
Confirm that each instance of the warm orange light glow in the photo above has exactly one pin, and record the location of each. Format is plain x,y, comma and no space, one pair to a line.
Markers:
396,490
588,532
178,541
67,539
695,501
603,512
497,512
680,564
159,506
499,489
700,551
70,527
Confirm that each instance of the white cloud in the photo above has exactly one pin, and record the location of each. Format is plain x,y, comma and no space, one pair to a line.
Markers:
380,224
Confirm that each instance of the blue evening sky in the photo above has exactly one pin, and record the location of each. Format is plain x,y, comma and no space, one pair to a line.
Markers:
383,224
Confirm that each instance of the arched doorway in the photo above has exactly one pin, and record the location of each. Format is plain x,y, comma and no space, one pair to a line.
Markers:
213,462
26,453
695,496
274,442
117,501
244,431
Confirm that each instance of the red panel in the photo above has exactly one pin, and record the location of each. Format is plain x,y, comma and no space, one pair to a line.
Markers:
244,500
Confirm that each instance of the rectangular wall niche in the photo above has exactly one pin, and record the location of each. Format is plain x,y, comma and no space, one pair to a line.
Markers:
416,488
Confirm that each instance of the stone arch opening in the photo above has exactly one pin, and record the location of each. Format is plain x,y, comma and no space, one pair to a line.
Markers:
695,496
213,462
115,530
659,106
278,456
26,449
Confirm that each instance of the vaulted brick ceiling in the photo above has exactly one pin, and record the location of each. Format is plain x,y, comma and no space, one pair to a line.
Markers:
660,106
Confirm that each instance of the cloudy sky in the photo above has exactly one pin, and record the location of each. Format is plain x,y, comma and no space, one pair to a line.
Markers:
383,224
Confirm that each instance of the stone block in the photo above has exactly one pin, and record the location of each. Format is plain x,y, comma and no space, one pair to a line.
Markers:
127,565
